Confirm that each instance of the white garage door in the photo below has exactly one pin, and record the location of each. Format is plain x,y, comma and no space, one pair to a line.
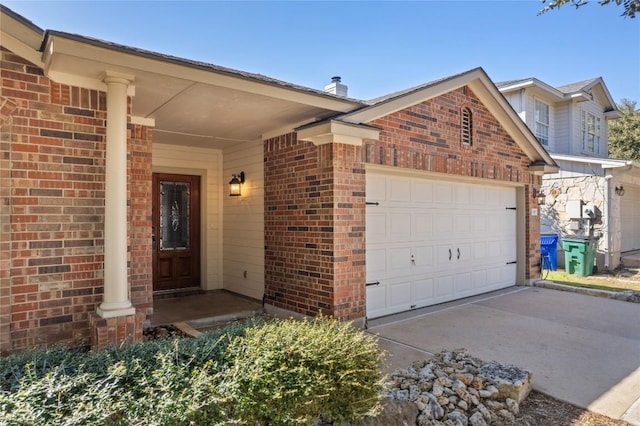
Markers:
432,241
630,218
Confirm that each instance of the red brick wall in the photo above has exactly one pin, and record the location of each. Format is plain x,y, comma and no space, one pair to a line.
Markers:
56,146
427,137
6,109
314,227
139,216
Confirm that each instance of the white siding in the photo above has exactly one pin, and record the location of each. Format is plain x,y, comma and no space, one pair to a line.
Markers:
243,245
517,103
530,119
561,132
206,163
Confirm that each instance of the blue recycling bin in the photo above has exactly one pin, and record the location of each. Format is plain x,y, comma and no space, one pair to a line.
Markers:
549,251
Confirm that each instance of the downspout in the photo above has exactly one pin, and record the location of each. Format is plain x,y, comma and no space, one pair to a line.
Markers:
607,208
607,212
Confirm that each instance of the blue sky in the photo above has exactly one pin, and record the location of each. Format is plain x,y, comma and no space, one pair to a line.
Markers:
377,47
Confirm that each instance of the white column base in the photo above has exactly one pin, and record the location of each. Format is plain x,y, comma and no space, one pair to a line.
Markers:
112,310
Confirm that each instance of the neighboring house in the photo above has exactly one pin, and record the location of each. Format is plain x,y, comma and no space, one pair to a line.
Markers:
592,195
114,186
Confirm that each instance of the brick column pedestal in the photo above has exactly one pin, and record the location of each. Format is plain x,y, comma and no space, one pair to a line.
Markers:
115,330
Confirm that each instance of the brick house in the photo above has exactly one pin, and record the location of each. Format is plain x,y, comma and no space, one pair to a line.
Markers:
115,167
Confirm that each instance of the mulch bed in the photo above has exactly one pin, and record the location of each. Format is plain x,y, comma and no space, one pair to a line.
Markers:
539,409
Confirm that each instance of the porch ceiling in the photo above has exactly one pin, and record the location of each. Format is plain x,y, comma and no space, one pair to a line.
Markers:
192,104
204,115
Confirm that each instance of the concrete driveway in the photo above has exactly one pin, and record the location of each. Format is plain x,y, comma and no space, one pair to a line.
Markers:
580,349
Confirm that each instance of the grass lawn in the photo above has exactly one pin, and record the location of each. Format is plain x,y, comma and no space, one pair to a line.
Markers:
629,281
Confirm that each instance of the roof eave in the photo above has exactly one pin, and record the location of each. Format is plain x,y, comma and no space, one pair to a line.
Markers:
487,92
540,168
65,45
20,35
534,82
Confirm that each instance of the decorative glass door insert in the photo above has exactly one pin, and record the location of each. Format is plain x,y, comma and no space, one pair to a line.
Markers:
175,200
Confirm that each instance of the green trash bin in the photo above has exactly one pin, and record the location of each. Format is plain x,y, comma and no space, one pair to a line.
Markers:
579,254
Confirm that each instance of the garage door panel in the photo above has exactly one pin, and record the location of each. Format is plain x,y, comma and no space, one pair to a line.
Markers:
376,262
494,249
494,224
462,195
444,256
442,241
400,261
400,293
480,250
444,225
423,225
422,192
376,300
462,255
376,188
422,292
479,197
399,190
376,226
399,225
423,257
479,224
462,283
479,278
443,287
443,195
462,223
494,276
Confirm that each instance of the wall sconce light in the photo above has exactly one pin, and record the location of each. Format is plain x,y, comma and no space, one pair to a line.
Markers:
235,184
539,196
619,190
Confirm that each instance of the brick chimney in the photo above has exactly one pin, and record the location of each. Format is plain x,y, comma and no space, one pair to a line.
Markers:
336,88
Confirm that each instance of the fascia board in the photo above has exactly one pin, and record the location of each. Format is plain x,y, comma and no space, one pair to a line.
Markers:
57,46
612,115
20,28
580,96
396,104
534,82
20,48
484,88
605,163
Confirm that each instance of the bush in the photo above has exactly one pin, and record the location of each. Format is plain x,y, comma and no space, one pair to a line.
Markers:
276,373
295,372
159,382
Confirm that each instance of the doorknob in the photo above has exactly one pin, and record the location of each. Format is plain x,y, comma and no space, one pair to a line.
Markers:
413,258
449,254
458,253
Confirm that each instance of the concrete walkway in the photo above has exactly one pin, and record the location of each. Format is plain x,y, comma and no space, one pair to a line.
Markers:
581,349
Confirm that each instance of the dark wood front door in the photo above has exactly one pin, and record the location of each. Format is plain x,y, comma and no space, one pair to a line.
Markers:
176,231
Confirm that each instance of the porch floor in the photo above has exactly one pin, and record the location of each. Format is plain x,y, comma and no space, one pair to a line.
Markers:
209,306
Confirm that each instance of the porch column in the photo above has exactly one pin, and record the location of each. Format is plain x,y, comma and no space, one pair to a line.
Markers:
116,301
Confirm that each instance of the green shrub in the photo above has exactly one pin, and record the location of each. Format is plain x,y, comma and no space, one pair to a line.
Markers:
256,373
293,372
162,382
